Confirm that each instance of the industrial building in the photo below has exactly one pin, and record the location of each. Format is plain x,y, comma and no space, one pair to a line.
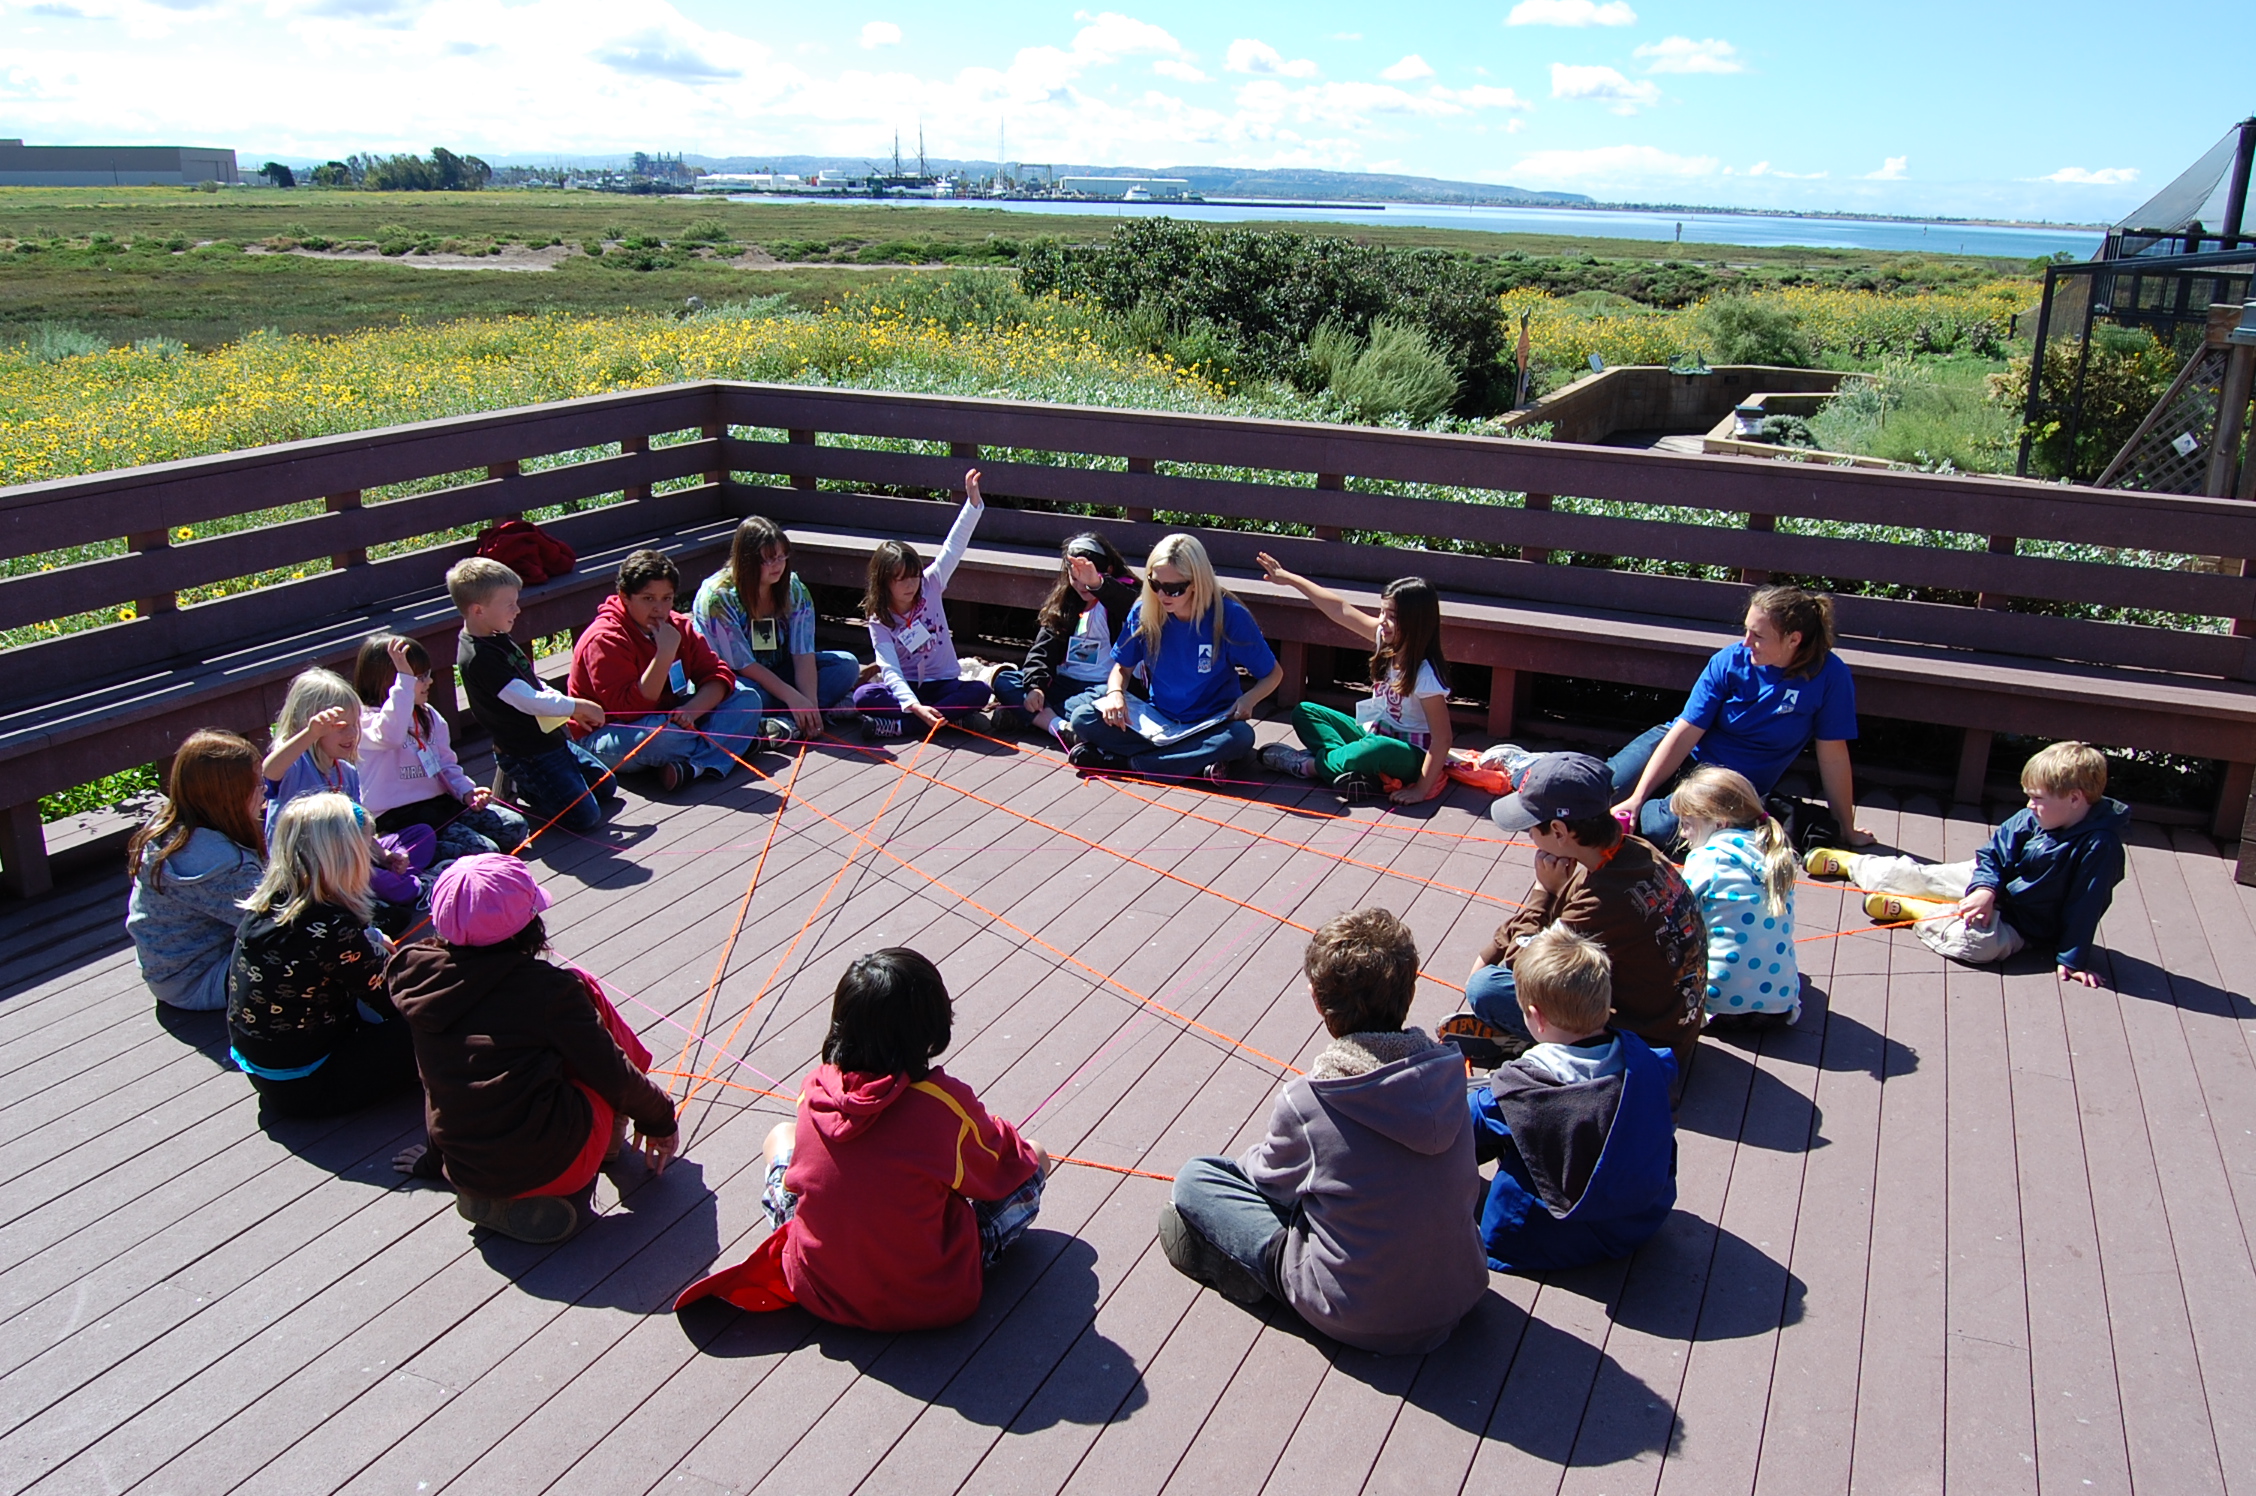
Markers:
113,165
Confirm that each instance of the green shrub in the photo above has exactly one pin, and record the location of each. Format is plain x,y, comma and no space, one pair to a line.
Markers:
615,232
1399,373
161,347
958,298
1742,330
1267,293
52,342
1925,414
2126,373
704,231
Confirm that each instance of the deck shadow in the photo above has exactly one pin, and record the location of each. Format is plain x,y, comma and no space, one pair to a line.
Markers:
2150,983
1775,1116
205,1033
635,1257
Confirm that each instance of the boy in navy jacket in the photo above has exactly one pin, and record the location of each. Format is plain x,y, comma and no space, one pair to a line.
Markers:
1579,1126
2045,878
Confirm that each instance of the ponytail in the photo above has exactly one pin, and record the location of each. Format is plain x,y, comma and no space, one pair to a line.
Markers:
1780,866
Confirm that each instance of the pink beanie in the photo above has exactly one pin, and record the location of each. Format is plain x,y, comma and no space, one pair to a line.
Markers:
483,900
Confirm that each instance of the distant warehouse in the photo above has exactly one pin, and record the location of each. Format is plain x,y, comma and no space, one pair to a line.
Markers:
1127,189
113,165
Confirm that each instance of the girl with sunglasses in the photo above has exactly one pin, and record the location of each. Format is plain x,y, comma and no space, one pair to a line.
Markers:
1191,638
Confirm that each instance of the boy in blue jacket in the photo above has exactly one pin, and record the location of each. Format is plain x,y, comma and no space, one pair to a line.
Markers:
1578,1126
2045,878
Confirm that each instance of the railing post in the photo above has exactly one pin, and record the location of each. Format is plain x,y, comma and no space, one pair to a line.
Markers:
714,431
2000,545
1136,514
1973,766
1540,503
1292,654
23,852
629,446
1329,483
155,602
338,503
802,439
502,472
1756,576
963,452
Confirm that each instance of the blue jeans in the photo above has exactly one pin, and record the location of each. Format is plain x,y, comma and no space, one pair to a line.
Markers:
1232,740
835,674
1494,998
1655,821
1215,1199
567,785
732,725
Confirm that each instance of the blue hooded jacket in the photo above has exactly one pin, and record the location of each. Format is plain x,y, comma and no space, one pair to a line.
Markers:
2054,885
1586,1170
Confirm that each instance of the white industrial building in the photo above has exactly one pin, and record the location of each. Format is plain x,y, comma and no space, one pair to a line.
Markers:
113,165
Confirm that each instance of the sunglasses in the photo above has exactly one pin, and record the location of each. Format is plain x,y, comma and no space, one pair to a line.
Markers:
1170,589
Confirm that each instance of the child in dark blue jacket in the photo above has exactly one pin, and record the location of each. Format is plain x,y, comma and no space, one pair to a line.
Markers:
1579,1126
2045,878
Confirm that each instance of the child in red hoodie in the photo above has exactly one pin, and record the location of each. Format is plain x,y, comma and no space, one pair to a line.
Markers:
893,1189
667,699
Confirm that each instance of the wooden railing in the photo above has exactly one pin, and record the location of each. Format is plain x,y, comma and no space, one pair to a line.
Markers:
1481,522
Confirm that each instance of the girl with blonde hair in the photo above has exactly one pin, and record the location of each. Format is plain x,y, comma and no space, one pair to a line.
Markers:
191,864
1190,638
1742,869
307,1018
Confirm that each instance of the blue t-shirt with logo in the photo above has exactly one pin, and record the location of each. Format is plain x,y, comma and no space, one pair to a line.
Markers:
1189,681
1757,719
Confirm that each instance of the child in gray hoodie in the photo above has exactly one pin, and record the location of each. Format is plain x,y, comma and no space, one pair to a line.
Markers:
194,862
1359,1207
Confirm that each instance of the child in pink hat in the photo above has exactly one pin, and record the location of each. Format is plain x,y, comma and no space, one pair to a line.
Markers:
529,1073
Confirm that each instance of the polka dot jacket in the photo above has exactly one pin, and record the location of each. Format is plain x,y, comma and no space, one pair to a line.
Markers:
1750,951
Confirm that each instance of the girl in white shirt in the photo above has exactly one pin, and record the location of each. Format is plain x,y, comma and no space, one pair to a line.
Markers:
409,775
917,669
1400,732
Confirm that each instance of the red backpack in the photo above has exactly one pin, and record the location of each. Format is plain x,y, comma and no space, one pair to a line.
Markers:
528,550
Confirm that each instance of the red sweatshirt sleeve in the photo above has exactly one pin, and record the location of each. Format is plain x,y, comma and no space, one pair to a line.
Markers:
993,1158
607,670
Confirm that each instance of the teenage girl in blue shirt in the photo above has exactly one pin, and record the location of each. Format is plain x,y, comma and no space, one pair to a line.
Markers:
1755,707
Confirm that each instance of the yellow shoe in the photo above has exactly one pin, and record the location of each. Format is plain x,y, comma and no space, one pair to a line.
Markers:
1891,908
1824,862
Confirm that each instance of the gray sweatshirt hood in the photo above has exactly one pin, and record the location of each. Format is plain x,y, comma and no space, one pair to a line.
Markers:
1406,1087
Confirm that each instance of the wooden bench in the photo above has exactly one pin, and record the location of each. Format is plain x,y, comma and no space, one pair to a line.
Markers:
1479,519
102,700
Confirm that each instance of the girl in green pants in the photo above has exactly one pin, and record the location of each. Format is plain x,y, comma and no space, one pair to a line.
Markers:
1401,730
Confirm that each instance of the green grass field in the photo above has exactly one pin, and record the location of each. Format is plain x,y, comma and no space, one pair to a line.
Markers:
54,267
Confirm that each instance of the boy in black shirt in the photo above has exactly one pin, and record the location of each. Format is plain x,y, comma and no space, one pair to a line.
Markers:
560,782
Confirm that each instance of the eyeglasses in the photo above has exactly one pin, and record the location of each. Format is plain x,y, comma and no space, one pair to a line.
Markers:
422,677
1170,589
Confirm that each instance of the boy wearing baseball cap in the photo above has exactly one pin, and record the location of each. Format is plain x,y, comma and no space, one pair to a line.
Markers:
528,1071
1595,879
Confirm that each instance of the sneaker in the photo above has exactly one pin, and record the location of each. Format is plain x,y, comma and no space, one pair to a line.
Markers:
1355,789
1748,1023
880,727
1825,862
1214,775
1061,734
776,731
1087,758
1891,908
1510,757
671,777
1201,1261
1484,1045
542,1220
1284,758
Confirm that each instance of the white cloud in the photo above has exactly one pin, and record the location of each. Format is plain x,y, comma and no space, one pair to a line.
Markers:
2106,176
1604,86
655,52
1891,170
1609,164
1259,58
1571,13
1179,70
1408,70
1765,169
1347,36
1481,96
881,34
1681,54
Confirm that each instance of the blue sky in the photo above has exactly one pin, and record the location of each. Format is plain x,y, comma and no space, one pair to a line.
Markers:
1921,107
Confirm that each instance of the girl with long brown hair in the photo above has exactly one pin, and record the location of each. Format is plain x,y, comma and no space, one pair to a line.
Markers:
191,865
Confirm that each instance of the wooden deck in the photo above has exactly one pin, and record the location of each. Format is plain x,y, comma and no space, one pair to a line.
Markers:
1959,1231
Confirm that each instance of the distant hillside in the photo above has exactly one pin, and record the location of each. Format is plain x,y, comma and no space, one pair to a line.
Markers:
1352,186
1210,181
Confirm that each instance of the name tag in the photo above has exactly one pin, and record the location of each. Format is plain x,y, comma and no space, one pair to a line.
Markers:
677,680
915,637
427,763
763,635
